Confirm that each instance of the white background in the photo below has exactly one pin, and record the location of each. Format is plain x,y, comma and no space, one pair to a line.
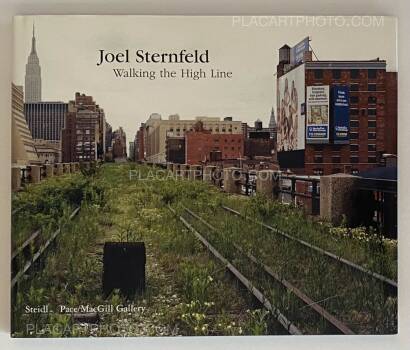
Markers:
399,8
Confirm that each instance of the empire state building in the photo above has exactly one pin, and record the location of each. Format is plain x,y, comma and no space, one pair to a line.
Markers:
33,75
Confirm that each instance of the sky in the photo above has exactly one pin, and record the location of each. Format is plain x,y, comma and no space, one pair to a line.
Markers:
68,49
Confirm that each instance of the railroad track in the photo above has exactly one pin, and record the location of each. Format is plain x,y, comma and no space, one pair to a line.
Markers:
24,249
391,284
309,303
337,324
279,316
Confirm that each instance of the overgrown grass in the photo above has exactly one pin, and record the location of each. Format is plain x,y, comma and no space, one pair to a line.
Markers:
188,292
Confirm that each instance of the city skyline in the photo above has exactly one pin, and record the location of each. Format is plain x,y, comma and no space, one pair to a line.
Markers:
248,96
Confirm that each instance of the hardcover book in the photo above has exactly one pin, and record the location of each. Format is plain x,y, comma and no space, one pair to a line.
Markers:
204,176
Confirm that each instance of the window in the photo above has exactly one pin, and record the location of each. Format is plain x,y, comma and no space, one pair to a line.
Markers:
354,147
355,171
318,159
354,135
336,159
336,73
318,171
354,87
371,135
354,159
371,123
354,111
354,99
318,73
354,123
371,111
371,87
372,100
371,148
372,160
354,73
371,73
336,171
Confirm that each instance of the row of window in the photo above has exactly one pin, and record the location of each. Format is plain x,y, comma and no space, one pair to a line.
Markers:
369,111
370,100
354,73
355,147
355,135
353,159
355,123
226,140
370,87
191,129
233,148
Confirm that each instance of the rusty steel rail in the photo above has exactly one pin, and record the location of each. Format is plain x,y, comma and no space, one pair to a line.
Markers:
389,282
38,254
288,325
344,329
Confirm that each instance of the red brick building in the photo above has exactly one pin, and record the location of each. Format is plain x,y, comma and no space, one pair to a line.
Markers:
201,144
372,116
83,138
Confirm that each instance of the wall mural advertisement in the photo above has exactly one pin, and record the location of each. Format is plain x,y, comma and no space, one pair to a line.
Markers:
291,119
317,124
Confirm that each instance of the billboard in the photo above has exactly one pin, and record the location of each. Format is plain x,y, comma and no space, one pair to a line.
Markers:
297,52
317,105
341,116
290,102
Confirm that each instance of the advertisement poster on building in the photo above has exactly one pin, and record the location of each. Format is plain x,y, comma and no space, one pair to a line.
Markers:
297,52
290,99
317,123
341,115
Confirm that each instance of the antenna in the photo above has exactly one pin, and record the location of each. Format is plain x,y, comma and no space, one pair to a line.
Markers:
310,46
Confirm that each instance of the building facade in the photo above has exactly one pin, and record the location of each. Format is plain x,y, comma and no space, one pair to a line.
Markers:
139,143
49,152
202,146
46,119
157,130
33,74
23,151
119,144
350,129
82,137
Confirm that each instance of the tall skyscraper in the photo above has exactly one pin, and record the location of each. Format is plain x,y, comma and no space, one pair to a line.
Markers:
33,74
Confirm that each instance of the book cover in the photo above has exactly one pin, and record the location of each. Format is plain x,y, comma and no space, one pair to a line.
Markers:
204,176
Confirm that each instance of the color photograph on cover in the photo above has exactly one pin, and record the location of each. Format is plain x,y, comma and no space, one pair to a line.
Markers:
203,176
